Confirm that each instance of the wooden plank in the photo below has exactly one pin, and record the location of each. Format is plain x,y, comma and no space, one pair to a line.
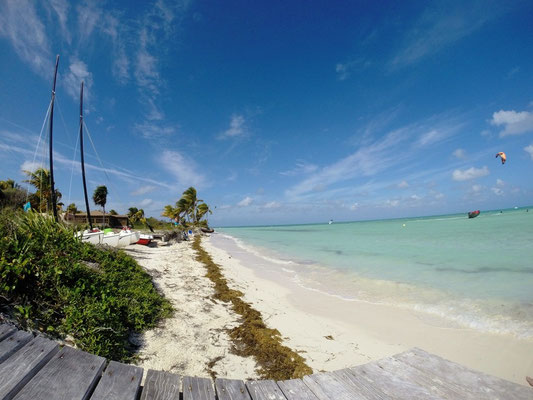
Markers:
6,330
265,390
231,389
16,371
327,386
161,385
198,389
296,389
12,343
70,375
432,383
377,383
119,382
463,378
364,386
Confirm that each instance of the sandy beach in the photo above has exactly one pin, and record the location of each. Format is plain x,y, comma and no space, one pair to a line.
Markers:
330,333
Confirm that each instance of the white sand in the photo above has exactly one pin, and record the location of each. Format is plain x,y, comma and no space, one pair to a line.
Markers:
361,332
195,335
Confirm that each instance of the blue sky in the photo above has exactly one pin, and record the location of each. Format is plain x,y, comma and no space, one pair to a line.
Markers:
277,112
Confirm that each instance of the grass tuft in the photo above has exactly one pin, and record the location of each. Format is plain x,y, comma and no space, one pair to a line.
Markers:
253,337
52,282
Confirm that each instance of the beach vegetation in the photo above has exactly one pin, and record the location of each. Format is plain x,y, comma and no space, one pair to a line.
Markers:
52,282
189,210
41,199
11,194
253,337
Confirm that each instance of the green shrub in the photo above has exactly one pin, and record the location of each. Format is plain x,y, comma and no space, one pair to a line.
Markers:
53,282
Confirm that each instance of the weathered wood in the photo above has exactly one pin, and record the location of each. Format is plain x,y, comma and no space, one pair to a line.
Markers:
16,371
480,385
231,389
366,387
161,385
295,389
377,383
70,375
119,382
13,343
198,389
439,388
328,386
265,390
6,330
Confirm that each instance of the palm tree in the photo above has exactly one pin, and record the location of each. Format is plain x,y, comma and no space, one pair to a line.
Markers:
40,180
202,210
72,209
100,198
113,212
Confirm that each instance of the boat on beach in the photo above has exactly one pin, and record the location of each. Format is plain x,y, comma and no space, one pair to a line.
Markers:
145,239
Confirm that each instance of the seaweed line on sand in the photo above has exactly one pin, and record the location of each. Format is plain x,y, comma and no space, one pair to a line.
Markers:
252,337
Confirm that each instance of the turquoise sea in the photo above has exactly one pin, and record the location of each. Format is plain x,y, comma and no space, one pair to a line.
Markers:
476,272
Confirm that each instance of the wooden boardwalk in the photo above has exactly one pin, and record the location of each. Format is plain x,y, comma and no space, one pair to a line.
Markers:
37,368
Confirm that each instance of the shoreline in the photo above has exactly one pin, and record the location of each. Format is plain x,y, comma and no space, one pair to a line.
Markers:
332,333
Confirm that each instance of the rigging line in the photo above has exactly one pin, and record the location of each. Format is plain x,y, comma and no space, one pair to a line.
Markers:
63,120
39,141
101,164
72,170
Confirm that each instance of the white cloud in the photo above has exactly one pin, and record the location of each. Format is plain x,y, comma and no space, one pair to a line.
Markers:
354,206
272,204
143,190
499,182
470,173
88,18
154,130
366,161
403,185
431,137
183,168
344,70
460,153
146,202
476,188
497,191
245,202
392,203
301,168
514,123
237,127
78,72
61,8
415,197
30,166
20,24
529,150
440,27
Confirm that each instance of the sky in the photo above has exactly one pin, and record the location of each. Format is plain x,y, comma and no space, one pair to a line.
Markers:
277,112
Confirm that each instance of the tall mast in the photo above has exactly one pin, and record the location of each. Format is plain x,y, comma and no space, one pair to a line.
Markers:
83,159
53,194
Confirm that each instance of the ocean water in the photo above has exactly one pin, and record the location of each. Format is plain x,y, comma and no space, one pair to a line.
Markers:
476,272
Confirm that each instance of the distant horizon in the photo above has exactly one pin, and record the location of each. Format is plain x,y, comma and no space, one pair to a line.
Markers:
326,222
277,111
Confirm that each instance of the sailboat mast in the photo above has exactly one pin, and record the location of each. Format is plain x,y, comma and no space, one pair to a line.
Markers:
83,160
53,192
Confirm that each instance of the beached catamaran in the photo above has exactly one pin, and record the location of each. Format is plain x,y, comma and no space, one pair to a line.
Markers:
94,235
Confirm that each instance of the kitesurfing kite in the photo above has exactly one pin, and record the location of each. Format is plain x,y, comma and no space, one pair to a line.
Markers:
502,156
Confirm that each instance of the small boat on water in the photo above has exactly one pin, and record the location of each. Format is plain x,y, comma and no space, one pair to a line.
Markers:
473,214
145,239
